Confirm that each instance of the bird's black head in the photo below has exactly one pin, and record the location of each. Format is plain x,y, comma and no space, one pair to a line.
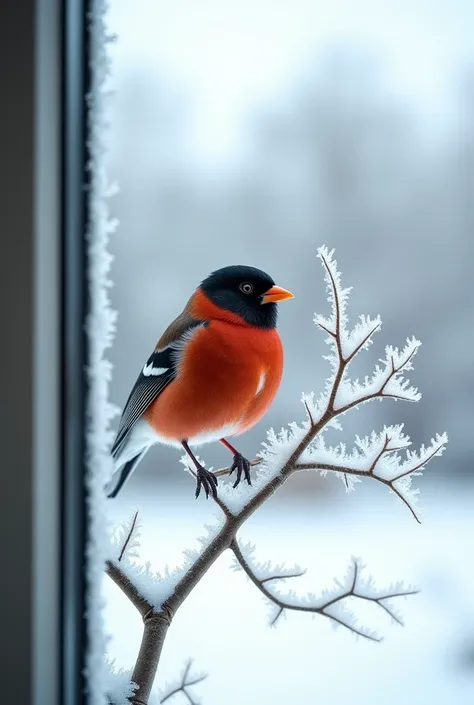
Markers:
247,292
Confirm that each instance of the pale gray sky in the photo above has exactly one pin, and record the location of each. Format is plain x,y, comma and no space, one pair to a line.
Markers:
227,56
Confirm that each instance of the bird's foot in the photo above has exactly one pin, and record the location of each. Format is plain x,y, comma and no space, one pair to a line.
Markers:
207,480
242,465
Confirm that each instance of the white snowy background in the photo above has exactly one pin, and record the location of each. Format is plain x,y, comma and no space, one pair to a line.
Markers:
223,625
253,132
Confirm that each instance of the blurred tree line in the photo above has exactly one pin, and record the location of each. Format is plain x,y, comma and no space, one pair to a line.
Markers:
344,158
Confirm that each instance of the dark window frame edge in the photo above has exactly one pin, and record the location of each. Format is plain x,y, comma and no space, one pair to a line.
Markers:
75,85
46,497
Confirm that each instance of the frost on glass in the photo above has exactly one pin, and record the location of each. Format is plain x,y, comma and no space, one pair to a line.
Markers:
385,456
100,327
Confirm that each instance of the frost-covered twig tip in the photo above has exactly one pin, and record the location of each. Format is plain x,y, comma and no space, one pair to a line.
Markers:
377,456
333,603
185,682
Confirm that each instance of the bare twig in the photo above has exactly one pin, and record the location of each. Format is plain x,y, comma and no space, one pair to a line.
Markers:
296,574
186,682
128,538
310,415
322,609
361,473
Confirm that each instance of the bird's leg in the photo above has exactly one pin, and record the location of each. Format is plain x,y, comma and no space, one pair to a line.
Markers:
241,464
205,478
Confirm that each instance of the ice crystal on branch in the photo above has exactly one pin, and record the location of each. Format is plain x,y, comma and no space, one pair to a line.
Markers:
119,686
345,343
266,572
376,456
386,381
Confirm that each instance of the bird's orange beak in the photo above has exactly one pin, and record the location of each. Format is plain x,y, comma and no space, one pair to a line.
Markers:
276,293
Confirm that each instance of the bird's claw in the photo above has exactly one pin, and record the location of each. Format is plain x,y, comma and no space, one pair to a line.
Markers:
207,480
242,465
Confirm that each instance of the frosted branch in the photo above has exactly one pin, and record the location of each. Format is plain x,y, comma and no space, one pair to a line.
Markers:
385,457
332,603
187,681
342,394
266,572
387,381
346,343
125,543
377,456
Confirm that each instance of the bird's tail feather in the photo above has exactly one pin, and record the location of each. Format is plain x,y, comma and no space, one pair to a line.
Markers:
120,477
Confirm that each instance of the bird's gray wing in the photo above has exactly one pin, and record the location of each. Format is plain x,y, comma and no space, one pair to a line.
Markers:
159,370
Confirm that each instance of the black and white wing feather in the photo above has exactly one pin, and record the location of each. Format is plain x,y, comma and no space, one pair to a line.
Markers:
160,370
157,373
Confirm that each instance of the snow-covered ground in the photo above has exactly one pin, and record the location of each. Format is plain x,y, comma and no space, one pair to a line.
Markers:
223,625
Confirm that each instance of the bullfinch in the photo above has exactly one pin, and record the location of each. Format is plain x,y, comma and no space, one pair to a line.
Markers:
214,373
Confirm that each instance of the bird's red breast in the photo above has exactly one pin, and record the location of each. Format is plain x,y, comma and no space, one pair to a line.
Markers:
229,373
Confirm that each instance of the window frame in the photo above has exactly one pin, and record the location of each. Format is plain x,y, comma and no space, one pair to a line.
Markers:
75,85
45,76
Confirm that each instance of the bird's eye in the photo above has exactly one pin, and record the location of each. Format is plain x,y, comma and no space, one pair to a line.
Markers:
246,288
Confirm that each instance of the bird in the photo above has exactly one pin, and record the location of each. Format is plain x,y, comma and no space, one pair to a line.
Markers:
214,373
